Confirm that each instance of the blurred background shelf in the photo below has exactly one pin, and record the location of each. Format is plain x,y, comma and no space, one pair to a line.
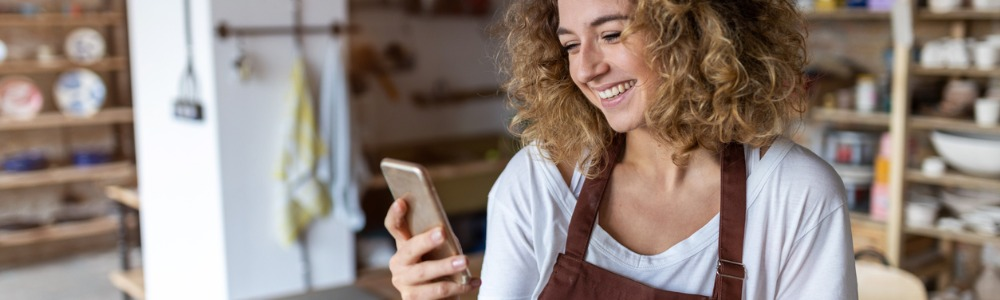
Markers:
950,124
60,64
955,180
112,115
962,14
131,282
850,117
967,72
58,19
37,244
129,196
70,174
444,172
958,236
847,14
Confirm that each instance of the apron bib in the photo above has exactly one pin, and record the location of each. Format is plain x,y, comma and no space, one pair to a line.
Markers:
574,278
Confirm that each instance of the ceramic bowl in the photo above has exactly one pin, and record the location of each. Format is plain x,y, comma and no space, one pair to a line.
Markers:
975,154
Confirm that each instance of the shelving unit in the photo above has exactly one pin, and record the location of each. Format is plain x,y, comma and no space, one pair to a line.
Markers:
850,116
955,180
904,125
950,124
892,233
36,244
967,72
958,15
131,282
449,171
107,116
847,14
109,19
71,174
62,20
59,65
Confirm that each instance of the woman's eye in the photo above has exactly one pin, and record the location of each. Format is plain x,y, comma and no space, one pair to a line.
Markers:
569,47
612,37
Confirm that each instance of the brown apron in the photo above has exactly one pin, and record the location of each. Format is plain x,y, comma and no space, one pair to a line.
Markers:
574,278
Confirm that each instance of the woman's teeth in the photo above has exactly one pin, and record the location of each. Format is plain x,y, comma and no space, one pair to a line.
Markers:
616,90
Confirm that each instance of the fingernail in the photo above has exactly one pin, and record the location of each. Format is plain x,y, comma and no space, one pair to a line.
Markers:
458,263
476,282
436,236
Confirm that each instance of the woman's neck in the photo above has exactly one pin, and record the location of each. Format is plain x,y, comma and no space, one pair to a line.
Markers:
652,159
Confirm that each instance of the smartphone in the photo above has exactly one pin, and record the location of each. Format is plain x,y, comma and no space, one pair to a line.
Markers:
410,181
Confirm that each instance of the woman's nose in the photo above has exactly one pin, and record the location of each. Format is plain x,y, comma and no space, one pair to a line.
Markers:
591,63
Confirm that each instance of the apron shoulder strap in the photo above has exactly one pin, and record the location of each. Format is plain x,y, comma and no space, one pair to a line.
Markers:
581,224
731,272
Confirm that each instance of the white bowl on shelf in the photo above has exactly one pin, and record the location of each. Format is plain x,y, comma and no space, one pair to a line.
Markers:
975,154
921,213
962,201
943,6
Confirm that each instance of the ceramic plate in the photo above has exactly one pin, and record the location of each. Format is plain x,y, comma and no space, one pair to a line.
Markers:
19,98
80,93
3,51
85,46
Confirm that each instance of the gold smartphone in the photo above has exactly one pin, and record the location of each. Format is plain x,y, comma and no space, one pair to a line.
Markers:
411,181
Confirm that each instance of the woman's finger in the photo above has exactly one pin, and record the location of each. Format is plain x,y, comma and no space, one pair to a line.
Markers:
430,270
419,245
438,290
395,221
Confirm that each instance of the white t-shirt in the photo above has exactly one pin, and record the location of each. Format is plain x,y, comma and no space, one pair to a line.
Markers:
797,240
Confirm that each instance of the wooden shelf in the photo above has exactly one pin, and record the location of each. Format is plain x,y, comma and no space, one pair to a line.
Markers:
127,196
954,179
132,282
847,14
70,174
950,124
850,117
958,236
966,72
59,65
114,115
444,172
58,232
962,14
57,19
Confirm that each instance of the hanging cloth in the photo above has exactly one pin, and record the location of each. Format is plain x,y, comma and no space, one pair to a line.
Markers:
306,197
344,165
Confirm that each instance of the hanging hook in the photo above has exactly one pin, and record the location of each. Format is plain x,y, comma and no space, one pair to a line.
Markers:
298,27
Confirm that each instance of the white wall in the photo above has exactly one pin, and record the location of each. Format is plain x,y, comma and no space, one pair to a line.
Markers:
179,170
209,192
251,117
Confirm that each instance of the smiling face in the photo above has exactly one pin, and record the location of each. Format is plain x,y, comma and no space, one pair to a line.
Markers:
609,71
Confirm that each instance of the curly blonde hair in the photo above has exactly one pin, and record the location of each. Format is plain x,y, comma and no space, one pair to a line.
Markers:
729,71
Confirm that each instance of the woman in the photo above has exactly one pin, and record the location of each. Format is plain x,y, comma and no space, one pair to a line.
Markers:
655,165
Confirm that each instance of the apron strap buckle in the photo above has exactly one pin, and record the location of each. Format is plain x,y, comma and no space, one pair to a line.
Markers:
731,269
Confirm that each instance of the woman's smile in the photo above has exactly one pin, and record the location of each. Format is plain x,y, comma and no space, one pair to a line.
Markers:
612,95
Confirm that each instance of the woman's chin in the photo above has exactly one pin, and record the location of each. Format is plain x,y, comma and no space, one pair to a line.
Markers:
624,126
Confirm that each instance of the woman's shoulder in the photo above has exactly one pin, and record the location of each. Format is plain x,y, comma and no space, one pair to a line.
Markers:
529,176
798,175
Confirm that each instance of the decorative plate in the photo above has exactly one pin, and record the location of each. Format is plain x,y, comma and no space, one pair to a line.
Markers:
3,51
19,98
80,93
85,46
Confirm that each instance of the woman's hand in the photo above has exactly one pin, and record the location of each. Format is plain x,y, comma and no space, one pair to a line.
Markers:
415,278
